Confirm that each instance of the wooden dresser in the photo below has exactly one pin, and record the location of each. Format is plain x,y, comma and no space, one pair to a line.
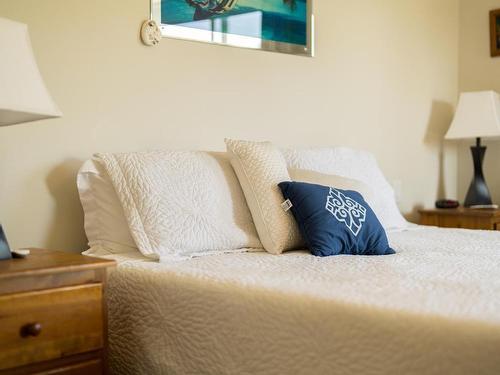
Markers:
52,314
461,218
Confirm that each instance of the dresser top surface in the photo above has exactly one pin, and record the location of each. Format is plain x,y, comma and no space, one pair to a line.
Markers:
48,261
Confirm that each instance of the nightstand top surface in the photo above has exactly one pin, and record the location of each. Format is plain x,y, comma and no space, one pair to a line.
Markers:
461,211
47,261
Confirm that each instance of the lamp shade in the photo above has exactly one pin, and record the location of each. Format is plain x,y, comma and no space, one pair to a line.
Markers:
477,116
23,95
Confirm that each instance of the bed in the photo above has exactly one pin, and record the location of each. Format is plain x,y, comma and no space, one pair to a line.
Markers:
192,294
434,308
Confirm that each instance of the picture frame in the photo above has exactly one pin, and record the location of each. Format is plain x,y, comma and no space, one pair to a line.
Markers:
495,32
284,26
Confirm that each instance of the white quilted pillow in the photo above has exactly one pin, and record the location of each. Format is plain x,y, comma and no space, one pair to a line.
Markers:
354,164
260,167
181,203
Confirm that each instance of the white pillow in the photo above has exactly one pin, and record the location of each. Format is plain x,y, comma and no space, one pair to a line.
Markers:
181,203
312,177
354,164
104,220
260,167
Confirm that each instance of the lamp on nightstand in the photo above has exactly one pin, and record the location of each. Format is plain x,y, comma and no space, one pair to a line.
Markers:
477,116
23,95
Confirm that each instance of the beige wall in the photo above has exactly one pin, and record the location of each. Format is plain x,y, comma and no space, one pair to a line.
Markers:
478,71
384,79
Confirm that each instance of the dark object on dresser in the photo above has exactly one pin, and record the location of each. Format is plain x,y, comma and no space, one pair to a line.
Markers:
52,314
447,204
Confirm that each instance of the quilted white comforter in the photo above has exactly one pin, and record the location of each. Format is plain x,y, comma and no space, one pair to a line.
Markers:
434,308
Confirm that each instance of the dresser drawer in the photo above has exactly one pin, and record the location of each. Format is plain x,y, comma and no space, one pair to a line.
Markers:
50,324
93,367
457,221
465,218
465,222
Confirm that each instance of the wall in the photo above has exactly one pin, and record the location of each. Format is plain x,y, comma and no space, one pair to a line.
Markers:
478,71
384,79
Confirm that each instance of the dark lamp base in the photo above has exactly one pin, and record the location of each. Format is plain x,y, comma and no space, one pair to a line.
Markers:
478,194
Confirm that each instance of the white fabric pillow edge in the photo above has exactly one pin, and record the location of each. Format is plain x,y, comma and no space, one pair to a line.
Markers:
104,219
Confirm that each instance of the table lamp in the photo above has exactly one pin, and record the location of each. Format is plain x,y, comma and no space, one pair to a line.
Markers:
23,95
477,116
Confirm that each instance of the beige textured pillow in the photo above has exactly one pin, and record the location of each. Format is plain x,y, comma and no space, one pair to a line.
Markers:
330,180
260,167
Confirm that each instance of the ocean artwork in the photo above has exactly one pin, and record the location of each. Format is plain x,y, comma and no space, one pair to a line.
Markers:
275,25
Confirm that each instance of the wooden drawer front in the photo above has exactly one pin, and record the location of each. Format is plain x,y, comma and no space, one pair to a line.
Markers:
428,219
451,221
468,222
69,319
457,221
84,368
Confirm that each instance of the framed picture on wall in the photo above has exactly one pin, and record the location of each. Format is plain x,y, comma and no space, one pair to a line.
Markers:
284,26
495,32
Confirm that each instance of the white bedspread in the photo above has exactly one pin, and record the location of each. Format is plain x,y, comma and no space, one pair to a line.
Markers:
433,308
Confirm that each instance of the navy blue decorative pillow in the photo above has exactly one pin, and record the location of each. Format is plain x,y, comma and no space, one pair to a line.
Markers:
334,221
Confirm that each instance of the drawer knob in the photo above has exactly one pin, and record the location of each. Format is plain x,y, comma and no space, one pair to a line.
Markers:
31,330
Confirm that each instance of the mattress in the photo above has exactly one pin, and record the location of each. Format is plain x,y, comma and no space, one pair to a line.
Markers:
433,308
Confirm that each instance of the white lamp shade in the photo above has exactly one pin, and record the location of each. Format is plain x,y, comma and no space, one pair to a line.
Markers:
477,116
23,95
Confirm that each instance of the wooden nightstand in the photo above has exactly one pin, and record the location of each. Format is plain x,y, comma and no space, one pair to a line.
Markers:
52,314
461,218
